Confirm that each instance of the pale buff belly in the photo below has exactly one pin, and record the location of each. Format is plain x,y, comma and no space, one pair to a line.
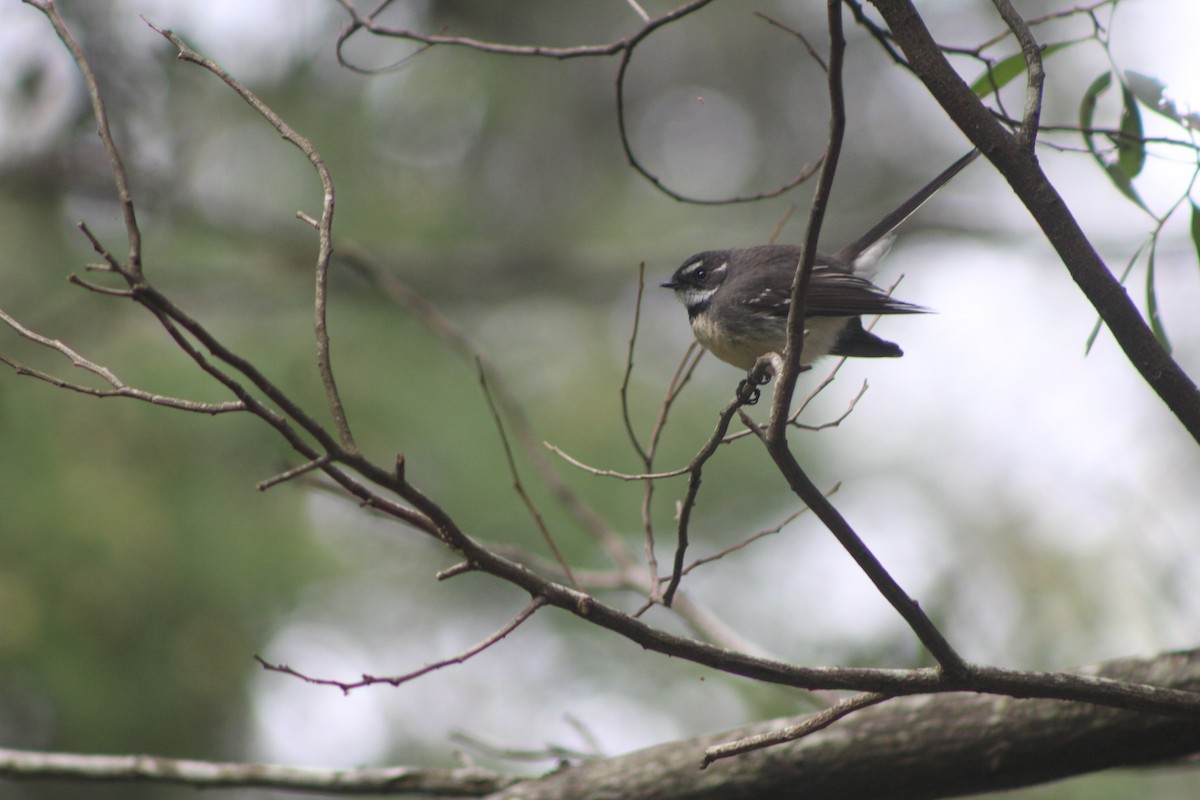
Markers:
742,349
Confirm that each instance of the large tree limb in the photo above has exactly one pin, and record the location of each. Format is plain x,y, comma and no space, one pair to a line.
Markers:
908,748
945,745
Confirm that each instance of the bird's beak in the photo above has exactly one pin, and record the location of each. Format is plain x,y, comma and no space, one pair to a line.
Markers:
669,285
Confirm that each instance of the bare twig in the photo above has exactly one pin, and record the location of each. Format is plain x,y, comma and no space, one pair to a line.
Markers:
836,421
811,724
679,379
812,51
610,473
120,389
457,783
1089,10
124,195
624,391
626,57
1022,171
324,228
294,472
518,486
397,680
776,433
699,562
785,381
360,21
446,330
637,9
624,46
695,472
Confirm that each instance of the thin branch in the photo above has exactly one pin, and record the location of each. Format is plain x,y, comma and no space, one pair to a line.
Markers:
124,195
699,562
370,680
360,21
1033,22
1035,72
294,472
810,724
463,782
776,434
552,752
679,379
785,379
812,51
610,473
445,329
637,9
1021,169
695,473
805,173
324,228
120,389
518,486
836,421
624,391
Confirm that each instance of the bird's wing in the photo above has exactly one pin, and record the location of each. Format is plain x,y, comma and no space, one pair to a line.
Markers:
835,294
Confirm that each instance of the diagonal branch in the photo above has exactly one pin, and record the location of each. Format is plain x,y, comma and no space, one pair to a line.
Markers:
776,433
1020,168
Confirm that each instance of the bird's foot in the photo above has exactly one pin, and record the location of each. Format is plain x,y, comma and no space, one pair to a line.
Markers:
748,392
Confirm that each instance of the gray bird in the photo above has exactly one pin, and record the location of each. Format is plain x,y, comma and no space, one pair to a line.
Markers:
738,300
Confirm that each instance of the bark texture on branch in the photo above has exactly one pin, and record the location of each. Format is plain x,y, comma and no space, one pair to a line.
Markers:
913,747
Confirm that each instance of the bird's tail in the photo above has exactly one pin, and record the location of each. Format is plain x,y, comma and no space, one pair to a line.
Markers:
869,248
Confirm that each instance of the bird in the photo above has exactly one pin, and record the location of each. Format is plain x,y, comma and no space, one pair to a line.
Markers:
738,300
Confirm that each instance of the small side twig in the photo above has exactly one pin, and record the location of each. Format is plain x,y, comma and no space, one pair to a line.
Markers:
397,680
124,195
120,389
695,470
699,562
812,724
294,472
624,391
518,486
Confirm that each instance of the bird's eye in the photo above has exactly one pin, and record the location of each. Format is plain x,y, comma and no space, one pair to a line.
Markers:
700,274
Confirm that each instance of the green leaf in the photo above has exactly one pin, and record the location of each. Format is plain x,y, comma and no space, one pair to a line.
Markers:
1196,229
1091,339
1087,111
1156,324
1117,172
1152,93
1131,149
1001,74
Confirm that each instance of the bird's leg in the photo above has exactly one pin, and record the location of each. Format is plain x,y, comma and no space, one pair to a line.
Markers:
760,374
